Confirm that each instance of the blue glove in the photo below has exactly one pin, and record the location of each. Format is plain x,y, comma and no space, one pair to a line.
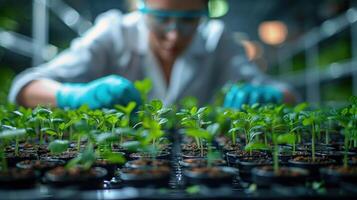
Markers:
103,92
239,95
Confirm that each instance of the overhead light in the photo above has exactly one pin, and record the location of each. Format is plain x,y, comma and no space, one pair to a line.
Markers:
218,8
273,32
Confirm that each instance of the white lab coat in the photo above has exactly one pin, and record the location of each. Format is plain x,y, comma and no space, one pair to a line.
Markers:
118,44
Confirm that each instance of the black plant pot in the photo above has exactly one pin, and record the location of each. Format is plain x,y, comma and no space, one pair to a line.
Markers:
76,177
200,162
144,155
40,166
145,177
147,163
336,155
66,156
336,175
246,165
13,159
18,179
194,154
287,176
233,157
211,177
312,167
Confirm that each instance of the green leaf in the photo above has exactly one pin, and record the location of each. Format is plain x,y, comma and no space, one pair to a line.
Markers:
132,145
255,146
213,128
308,121
300,107
157,104
12,134
195,189
58,146
288,138
200,133
143,86
106,138
193,110
113,157
50,131
128,108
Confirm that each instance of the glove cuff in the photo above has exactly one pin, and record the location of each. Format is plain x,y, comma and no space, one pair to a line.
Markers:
65,95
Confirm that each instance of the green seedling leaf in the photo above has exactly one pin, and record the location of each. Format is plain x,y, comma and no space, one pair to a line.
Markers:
213,129
42,111
256,146
113,157
193,110
308,121
106,138
144,86
288,138
58,146
17,113
12,134
49,131
195,189
131,145
200,133
300,107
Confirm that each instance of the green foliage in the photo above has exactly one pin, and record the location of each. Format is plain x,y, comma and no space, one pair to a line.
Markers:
144,87
58,146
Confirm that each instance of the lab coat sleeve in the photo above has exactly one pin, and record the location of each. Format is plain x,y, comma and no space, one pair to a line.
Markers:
237,67
88,57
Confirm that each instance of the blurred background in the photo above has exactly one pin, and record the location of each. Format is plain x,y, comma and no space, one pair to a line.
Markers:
310,44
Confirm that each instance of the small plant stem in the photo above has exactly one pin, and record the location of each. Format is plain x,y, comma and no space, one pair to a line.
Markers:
313,142
197,142
78,143
201,148
234,138
265,139
209,160
294,147
327,137
41,137
299,138
345,157
4,167
276,159
17,147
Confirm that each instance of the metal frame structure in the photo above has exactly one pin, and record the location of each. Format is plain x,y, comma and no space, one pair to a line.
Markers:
38,47
312,76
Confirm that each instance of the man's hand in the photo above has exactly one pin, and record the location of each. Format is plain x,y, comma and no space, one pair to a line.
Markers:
239,95
103,92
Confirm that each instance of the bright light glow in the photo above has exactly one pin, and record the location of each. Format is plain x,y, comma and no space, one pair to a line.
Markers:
273,32
218,8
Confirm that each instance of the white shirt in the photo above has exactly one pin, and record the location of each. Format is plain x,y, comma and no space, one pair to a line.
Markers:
118,44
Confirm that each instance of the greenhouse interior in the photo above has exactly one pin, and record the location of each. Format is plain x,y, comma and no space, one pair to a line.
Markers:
178,99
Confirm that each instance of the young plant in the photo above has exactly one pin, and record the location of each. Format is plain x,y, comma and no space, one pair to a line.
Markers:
6,137
293,122
194,119
144,87
206,135
313,119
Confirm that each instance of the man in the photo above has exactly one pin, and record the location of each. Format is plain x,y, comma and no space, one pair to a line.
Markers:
172,42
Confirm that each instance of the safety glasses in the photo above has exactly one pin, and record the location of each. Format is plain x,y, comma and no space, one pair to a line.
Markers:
164,21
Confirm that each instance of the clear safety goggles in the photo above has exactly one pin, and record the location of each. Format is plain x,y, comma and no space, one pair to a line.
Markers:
163,21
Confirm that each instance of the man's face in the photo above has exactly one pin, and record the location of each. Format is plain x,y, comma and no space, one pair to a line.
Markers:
170,36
